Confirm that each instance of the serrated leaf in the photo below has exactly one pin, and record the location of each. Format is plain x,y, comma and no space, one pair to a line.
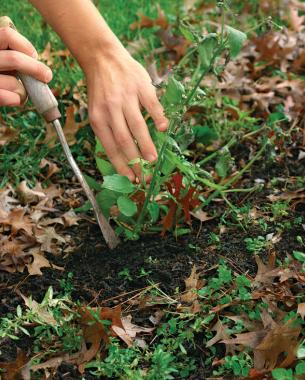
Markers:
126,206
236,39
174,93
206,50
118,183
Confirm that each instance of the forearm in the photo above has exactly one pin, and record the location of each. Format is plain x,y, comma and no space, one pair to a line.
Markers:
81,27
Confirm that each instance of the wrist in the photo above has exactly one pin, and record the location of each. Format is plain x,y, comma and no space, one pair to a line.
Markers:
110,54
108,50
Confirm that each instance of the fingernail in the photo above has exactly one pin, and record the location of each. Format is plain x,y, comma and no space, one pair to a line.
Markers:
35,55
48,75
151,157
163,125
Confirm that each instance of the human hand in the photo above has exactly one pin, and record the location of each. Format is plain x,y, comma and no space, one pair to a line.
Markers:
17,54
118,86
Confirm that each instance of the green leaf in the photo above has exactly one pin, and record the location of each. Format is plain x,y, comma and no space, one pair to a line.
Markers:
93,184
118,183
84,208
204,134
186,32
174,93
126,206
300,368
168,165
106,199
223,164
236,39
282,374
103,166
154,211
300,256
207,49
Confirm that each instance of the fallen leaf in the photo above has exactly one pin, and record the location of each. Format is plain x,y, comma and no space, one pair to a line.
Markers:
221,334
301,310
52,167
146,22
46,237
13,370
27,195
42,311
18,221
39,261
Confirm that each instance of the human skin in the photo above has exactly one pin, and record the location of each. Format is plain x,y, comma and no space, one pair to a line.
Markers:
118,86
17,54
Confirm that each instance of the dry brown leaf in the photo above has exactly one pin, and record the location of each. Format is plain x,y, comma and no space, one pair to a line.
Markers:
202,215
18,221
132,330
27,195
249,339
6,201
71,127
13,370
39,261
283,339
7,134
52,167
221,334
146,22
70,218
41,311
301,310
48,236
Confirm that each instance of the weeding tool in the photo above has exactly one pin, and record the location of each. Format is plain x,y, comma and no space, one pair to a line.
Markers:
47,105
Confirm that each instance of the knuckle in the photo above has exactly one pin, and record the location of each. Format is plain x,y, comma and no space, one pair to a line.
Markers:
138,121
94,116
113,102
122,140
14,59
6,32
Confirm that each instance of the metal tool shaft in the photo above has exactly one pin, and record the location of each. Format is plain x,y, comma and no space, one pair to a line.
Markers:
47,105
111,238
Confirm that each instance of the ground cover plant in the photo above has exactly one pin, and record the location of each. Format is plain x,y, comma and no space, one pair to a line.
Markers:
209,281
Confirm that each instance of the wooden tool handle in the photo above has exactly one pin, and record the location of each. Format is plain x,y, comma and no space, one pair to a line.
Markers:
39,92
42,97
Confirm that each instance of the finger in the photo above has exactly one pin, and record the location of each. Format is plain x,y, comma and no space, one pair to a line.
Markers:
8,98
12,84
15,61
150,102
11,39
124,139
120,163
139,130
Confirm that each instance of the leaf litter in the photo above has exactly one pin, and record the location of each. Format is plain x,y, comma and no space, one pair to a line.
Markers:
29,226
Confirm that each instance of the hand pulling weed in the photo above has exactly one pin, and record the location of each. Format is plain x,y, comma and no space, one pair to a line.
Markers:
136,205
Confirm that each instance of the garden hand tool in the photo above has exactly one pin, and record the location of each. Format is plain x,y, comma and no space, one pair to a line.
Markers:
47,105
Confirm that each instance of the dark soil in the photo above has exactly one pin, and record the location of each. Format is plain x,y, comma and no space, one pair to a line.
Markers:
97,272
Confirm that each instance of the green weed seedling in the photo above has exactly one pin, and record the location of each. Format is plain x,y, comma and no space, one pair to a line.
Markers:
256,245
134,206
